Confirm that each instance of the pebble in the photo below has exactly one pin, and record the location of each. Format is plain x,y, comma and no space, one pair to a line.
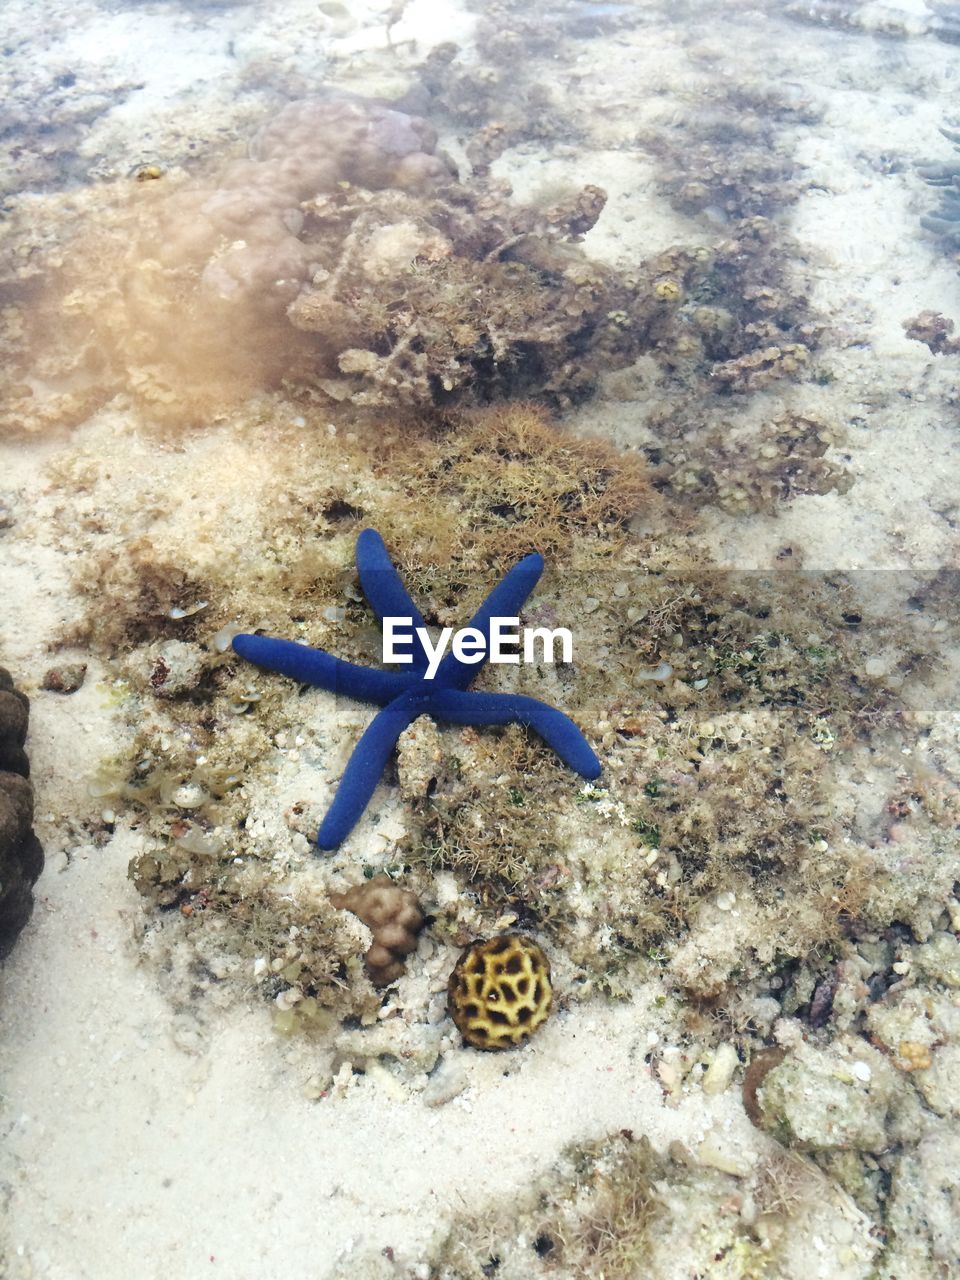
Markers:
447,1084
717,1155
190,795
65,679
720,1072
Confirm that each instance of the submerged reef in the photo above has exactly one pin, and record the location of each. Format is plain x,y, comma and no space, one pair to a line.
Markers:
343,253
344,257
21,856
729,710
763,882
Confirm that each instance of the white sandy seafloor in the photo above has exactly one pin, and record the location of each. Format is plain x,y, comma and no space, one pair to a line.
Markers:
141,1138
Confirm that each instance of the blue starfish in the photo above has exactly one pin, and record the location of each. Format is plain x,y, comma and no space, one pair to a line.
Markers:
405,696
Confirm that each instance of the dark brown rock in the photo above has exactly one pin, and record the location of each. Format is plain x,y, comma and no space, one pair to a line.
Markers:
21,855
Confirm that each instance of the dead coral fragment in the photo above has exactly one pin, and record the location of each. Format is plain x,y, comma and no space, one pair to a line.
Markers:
499,992
840,1097
933,330
418,758
393,916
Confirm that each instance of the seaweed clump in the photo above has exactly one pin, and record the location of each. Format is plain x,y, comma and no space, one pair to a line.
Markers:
516,483
617,1208
595,1216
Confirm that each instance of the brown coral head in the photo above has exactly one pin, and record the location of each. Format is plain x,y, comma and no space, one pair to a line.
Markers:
393,916
499,992
21,856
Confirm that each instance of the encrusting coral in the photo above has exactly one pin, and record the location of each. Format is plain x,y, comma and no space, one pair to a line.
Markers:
755,471
21,856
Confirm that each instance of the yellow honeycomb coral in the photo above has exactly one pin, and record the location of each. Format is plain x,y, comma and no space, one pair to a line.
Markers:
499,992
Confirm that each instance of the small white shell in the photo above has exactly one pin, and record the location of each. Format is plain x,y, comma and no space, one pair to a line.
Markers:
223,638
661,673
189,795
177,613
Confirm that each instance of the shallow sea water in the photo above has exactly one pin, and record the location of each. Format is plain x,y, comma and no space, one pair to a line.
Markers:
664,292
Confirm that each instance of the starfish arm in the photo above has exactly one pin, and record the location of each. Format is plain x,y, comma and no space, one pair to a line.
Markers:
556,729
315,666
384,589
504,601
364,768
